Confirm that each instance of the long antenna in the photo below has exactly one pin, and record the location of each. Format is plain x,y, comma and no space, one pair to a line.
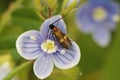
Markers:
65,15
57,20
69,12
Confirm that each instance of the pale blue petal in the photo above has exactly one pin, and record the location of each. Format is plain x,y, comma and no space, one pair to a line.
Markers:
109,24
83,19
69,59
29,48
99,2
43,66
60,24
101,36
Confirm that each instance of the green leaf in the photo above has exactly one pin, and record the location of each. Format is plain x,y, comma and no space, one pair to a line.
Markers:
69,74
4,5
11,30
26,18
16,57
6,16
92,55
111,68
8,42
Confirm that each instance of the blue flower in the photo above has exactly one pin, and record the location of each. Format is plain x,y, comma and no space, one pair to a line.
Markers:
5,69
98,18
47,51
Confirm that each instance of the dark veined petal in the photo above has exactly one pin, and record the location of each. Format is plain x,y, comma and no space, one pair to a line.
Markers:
60,24
43,66
69,59
28,44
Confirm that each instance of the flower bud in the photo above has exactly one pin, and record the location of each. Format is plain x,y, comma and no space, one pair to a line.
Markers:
51,4
38,5
41,4
68,5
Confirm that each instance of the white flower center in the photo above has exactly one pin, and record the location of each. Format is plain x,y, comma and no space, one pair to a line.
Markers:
49,46
99,14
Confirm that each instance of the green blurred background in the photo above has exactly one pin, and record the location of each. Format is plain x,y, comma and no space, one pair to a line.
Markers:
18,16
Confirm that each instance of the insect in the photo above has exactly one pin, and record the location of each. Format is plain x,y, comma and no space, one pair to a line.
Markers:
60,36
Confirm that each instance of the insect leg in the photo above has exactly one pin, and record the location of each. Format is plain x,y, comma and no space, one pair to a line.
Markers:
53,37
48,33
57,23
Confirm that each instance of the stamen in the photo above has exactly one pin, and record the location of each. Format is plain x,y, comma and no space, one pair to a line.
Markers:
48,46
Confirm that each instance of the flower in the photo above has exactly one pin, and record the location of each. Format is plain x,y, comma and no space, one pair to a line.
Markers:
5,69
6,66
98,18
47,51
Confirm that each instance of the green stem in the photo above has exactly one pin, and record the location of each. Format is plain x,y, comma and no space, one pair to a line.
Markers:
18,69
40,14
49,12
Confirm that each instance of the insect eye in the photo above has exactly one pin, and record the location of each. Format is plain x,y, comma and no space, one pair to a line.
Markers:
51,26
